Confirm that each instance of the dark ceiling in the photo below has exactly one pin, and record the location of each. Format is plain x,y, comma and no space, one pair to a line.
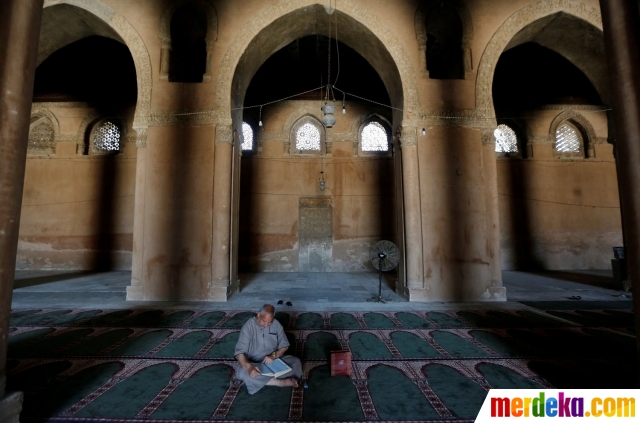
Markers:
302,65
529,76
95,69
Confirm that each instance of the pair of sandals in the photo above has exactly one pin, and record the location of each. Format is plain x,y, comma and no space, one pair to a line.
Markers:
287,303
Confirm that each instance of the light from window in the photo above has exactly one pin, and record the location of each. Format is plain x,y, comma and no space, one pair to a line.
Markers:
247,137
308,138
567,139
506,139
107,137
374,137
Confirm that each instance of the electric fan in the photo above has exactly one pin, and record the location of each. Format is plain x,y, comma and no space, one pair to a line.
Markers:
384,256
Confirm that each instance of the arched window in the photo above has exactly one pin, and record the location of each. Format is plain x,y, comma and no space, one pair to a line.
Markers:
188,57
445,55
374,137
105,137
506,139
308,138
568,139
247,137
41,136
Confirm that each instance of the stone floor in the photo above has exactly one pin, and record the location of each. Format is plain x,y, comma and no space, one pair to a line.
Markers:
309,291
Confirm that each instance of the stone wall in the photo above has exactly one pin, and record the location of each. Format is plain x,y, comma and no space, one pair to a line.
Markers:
77,210
287,223
184,239
560,212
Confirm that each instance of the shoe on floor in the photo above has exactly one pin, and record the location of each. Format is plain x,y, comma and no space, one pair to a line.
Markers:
279,302
289,303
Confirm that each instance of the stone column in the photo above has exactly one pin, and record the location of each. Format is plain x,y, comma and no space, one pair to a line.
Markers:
135,290
489,165
19,33
621,23
220,248
412,214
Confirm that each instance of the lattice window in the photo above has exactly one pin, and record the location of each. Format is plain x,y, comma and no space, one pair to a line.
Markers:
106,137
506,139
567,139
374,137
41,135
308,138
247,137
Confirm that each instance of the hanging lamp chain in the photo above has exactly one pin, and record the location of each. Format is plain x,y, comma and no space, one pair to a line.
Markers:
326,99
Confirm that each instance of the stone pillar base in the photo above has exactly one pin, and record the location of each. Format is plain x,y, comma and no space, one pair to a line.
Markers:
418,294
497,293
223,293
134,293
10,407
402,290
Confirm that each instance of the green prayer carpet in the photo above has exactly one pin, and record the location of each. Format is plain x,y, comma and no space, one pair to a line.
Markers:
166,366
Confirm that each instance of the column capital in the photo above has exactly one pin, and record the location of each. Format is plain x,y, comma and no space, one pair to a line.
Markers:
487,137
224,134
141,137
408,135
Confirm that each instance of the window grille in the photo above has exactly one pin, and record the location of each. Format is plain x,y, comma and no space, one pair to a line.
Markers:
107,137
506,139
374,138
41,136
247,137
308,138
567,139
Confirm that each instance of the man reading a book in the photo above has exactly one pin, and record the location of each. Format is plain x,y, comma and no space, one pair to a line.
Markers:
263,343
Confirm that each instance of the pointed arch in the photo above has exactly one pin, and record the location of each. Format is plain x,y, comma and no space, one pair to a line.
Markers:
164,33
506,33
467,33
130,37
400,83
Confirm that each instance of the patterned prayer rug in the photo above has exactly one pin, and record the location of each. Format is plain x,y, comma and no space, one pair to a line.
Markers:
177,365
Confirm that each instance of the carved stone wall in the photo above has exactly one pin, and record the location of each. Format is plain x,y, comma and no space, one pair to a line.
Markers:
315,234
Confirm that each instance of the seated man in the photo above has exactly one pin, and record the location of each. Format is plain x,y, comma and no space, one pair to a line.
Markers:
262,340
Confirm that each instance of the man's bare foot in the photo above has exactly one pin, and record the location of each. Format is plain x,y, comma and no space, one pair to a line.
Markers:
290,381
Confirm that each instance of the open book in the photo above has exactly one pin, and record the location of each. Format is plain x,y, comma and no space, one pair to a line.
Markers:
275,369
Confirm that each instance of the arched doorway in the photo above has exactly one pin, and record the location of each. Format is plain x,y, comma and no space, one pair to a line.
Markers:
87,131
315,207
558,197
258,46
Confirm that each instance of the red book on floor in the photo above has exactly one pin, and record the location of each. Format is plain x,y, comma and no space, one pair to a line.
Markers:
340,363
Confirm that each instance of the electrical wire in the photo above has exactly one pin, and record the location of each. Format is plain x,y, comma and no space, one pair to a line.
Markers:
330,89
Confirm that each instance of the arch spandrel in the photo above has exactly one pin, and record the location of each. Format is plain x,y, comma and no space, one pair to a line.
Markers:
132,40
509,29
406,93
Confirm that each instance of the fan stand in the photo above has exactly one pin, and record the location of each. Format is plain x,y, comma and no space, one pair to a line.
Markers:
381,256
